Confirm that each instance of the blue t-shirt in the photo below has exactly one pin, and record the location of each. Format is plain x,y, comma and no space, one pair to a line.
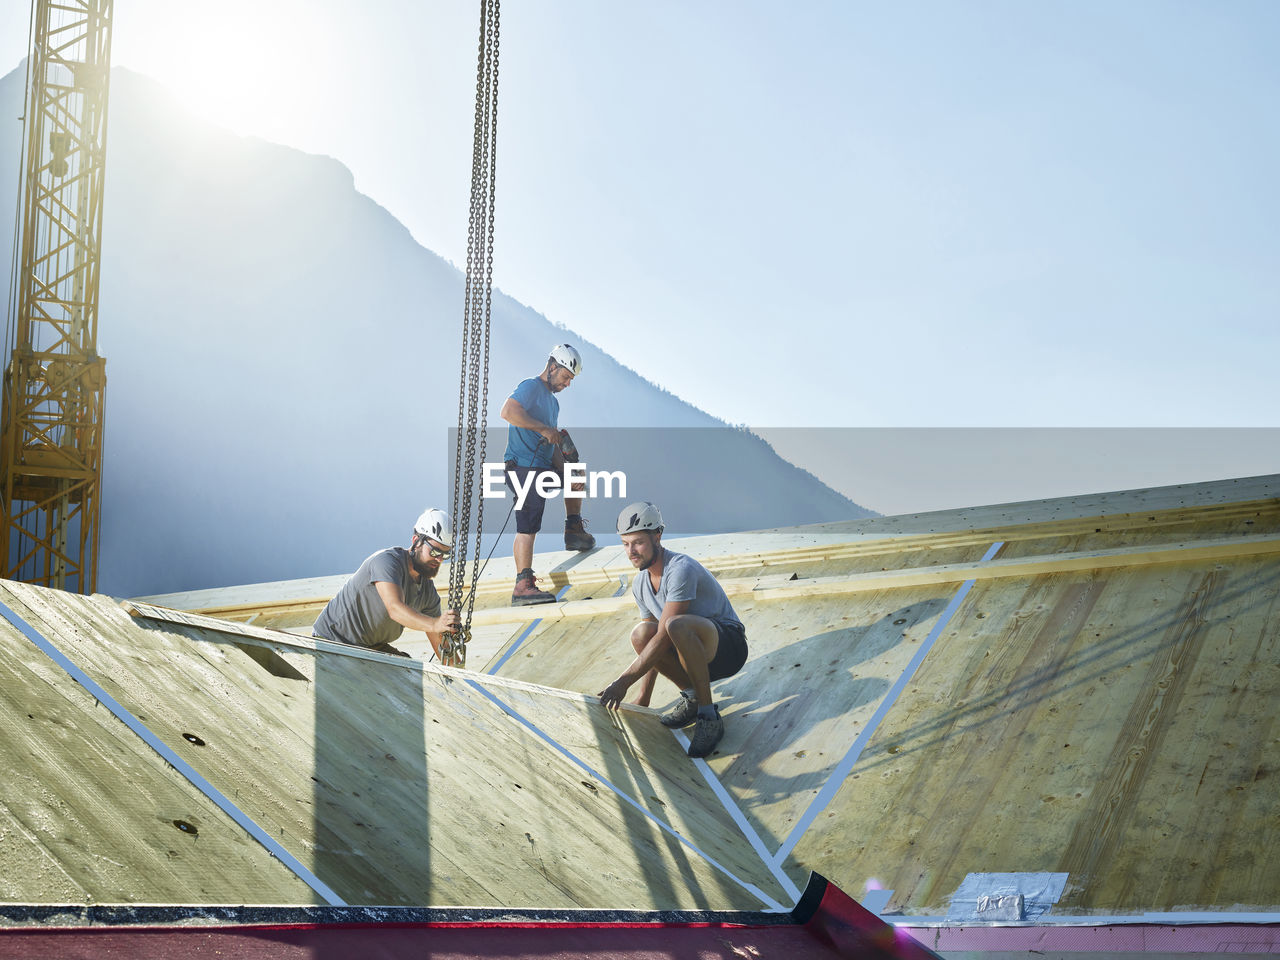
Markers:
523,444
683,579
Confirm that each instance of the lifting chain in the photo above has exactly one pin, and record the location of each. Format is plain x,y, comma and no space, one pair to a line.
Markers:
473,387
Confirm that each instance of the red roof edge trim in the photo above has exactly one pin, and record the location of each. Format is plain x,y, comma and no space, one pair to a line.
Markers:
835,918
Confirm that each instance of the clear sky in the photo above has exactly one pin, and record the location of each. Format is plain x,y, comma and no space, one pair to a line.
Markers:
816,214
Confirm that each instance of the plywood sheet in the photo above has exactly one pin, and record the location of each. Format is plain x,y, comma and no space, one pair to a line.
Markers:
1111,724
397,783
1238,522
641,760
89,812
582,654
1079,724
819,670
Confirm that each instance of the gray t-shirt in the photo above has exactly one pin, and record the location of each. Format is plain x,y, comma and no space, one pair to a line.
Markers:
357,614
683,579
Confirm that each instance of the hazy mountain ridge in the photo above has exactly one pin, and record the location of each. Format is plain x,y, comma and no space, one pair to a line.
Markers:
283,364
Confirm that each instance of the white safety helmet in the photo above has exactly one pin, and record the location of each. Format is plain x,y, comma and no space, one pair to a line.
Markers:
567,357
434,524
641,515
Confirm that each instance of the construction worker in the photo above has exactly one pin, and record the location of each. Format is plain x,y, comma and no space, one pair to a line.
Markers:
393,590
689,633
533,447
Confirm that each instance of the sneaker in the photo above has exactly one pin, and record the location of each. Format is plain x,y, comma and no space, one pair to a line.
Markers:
527,592
682,714
706,734
576,536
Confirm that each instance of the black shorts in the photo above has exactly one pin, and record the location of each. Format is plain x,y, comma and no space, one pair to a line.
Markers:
529,517
731,651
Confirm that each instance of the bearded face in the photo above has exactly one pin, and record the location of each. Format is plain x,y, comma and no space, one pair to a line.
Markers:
642,548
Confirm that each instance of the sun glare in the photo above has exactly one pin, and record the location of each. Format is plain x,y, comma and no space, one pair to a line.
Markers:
253,67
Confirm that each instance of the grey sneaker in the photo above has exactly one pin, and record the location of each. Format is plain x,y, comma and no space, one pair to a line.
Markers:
682,714
706,734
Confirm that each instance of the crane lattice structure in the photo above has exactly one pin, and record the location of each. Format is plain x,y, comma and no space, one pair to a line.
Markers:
51,455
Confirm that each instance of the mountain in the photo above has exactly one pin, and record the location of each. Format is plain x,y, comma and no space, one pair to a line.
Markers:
283,365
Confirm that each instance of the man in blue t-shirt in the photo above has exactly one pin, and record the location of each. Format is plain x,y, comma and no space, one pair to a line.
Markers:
689,634
533,448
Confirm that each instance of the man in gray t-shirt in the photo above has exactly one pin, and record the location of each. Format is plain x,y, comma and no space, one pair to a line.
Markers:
682,578
393,590
689,634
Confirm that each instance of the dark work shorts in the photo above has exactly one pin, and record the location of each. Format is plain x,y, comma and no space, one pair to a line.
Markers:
529,519
731,651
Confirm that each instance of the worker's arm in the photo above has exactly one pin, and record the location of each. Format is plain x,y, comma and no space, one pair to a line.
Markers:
403,614
515,414
646,660
647,681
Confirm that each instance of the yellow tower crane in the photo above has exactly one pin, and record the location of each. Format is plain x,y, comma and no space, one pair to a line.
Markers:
51,440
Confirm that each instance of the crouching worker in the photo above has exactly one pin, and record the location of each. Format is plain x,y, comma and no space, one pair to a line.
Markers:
393,590
689,633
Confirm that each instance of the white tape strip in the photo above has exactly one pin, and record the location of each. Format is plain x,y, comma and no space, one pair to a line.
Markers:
523,636
769,902
734,811
514,647
836,780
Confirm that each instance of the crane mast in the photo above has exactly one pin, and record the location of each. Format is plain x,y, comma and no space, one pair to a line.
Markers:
51,438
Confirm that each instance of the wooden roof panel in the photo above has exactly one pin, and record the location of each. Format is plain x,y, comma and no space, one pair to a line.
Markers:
391,781
1094,700
1064,723
89,812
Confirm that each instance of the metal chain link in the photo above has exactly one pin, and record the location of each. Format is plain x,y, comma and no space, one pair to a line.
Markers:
477,298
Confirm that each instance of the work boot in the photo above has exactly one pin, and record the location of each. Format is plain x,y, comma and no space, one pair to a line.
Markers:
575,534
527,592
706,734
682,714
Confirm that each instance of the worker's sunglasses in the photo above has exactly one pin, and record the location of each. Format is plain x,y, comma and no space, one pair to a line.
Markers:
436,551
